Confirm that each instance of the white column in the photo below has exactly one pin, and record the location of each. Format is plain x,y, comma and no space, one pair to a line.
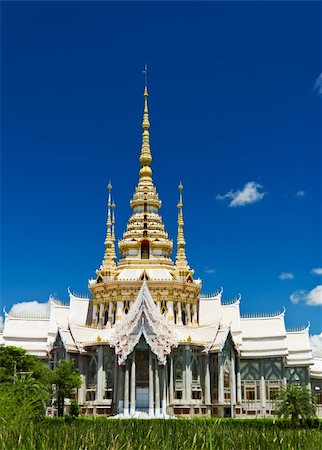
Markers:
179,314
120,389
171,386
164,390
151,396
101,314
170,314
94,316
221,396
119,312
133,384
115,380
100,374
263,395
110,312
82,389
157,390
233,378
188,315
232,385
195,315
188,374
126,390
239,396
207,381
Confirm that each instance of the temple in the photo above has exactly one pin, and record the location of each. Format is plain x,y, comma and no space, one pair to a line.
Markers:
147,340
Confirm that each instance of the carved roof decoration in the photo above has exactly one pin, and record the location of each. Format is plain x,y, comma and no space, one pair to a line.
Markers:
144,319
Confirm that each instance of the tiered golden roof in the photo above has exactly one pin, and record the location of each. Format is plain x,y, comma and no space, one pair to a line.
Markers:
145,237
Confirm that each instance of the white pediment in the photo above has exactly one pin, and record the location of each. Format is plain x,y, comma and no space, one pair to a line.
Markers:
144,319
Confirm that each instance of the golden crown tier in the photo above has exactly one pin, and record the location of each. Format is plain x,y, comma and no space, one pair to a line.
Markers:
145,254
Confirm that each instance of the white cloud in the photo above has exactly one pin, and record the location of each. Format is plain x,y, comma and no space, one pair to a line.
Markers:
318,84
250,193
311,298
317,271
316,343
30,309
300,194
1,324
209,270
286,276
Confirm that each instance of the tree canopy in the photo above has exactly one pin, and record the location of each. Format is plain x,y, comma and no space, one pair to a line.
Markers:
14,361
295,402
66,379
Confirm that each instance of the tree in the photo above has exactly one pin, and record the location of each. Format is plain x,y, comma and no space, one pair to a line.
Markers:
66,378
296,402
14,361
74,409
23,401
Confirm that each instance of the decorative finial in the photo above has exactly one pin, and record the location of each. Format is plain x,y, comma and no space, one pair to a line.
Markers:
109,255
145,71
181,260
113,230
180,240
146,157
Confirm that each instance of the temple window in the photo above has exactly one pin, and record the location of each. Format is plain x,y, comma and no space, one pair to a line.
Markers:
226,384
195,371
178,375
163,307
106,316
184,317
250,391
296,375
145,249
109,378
126,306
178,371
92,372
272,369
272,388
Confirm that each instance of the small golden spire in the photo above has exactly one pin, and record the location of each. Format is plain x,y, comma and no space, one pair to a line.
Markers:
109,255
145,156
109,222
113,229
181,254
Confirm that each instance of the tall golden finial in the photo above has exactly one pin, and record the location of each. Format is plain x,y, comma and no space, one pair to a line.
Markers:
145,156
181,260
109,221
109,254
113,229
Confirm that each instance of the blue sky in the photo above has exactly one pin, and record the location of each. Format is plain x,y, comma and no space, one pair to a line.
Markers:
234,110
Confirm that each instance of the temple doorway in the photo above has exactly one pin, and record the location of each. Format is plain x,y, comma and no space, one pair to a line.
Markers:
142,380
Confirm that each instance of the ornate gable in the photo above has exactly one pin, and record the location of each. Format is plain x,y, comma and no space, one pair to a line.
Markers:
144,319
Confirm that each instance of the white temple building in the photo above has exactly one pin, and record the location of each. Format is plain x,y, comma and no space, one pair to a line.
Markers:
147,340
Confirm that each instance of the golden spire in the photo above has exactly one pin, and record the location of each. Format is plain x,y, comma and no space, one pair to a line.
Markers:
181,260
109,255
113,229
145,156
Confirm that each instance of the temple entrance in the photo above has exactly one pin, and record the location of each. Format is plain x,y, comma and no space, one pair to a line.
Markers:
142,380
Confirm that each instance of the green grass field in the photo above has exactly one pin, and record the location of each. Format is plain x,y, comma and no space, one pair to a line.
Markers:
178,434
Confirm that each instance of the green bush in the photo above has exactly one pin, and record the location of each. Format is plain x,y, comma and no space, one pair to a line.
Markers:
74,409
